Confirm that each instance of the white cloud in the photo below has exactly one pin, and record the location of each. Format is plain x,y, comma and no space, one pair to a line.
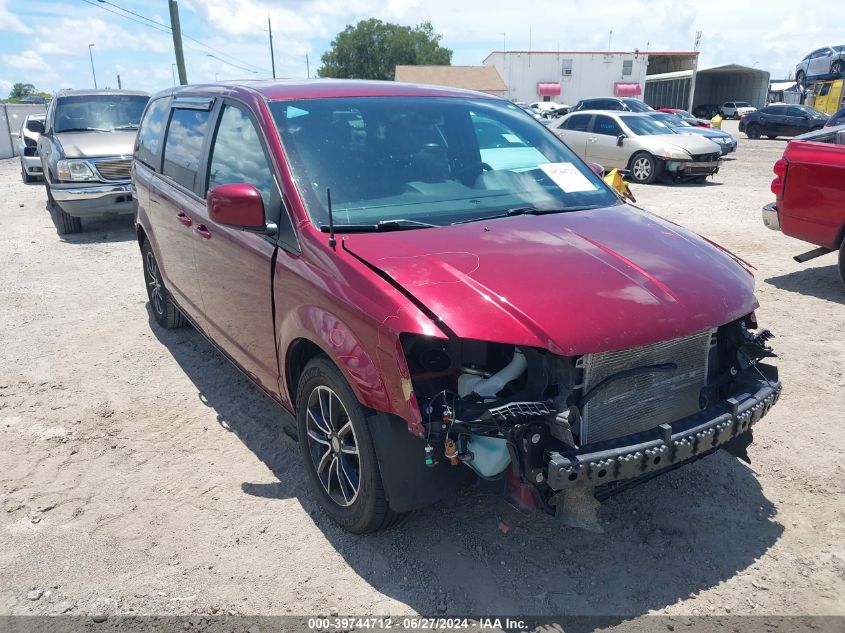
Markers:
10,22
27,60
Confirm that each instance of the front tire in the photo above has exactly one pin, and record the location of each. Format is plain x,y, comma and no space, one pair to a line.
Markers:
644,168
753,131
842,261
837,67
338,452
165,312
66,224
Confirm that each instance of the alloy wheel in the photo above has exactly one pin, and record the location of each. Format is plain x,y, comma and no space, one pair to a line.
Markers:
641,168
333,446
154,283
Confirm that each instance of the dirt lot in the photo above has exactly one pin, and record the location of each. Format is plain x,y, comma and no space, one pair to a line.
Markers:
140,472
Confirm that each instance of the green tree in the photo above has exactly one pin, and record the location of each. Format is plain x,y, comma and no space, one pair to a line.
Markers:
19,91
372,49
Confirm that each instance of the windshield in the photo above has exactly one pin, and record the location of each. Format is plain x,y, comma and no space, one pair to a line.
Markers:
635,105
99,112
428,159
645,125
669,119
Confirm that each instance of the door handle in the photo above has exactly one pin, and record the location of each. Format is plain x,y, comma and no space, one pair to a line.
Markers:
183,218
202,231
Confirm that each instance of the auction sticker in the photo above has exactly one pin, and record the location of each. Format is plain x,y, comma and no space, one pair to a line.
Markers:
567,177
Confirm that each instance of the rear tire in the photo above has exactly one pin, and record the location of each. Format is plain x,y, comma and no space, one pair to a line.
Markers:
644,168
165,312
338,452
753,131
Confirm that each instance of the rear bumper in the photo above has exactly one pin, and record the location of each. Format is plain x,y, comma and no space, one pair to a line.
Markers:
643,455
95,199
771,217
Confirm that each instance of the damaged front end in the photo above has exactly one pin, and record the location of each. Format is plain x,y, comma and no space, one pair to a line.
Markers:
565,431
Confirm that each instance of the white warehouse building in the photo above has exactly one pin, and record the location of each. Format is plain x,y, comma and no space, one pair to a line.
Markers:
569,76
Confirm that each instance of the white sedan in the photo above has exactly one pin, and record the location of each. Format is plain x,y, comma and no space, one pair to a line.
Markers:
828,59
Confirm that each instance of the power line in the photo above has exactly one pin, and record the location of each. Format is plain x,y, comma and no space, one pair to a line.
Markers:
163,28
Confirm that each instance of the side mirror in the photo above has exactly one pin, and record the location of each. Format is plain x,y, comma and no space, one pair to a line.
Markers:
238,205
597,169
621,139
35,126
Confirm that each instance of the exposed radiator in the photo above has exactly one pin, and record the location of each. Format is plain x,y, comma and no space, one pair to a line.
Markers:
643,401
114,169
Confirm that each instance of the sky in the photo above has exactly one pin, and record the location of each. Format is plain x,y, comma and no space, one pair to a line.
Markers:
46,42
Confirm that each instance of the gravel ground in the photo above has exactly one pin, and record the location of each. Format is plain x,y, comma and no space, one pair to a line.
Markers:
140,473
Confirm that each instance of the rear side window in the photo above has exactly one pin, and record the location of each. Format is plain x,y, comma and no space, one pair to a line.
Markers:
238,156
151,133
577,122
607,126
183,147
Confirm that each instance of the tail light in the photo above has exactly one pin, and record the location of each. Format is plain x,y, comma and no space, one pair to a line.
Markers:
780,174
742,117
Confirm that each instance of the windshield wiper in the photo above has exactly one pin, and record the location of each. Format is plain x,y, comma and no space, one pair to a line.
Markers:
528,211
399,224
83,129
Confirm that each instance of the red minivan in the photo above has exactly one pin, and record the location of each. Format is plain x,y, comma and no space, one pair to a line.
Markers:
439,289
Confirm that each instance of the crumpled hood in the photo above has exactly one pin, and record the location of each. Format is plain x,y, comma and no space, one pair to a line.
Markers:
691,144
96,144
572,283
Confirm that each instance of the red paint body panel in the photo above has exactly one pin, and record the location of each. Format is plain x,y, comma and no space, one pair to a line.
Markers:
812,203
571,283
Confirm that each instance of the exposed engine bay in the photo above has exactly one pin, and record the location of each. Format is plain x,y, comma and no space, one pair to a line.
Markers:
549,423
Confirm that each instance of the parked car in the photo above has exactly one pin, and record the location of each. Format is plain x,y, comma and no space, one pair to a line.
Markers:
637,142
706,110
812,207
782,120
625,104
836,119
401,297
725,141
735,109
687,117
86,151
824,60
28,147
550,109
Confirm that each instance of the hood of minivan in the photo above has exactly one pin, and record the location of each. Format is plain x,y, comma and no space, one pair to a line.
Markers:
92,144
687,142
572,283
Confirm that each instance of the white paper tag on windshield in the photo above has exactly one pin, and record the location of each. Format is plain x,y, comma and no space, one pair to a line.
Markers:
567,177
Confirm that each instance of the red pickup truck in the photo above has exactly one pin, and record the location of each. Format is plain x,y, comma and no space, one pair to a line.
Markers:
810,201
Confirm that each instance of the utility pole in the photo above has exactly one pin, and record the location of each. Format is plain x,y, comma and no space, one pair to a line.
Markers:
307,67
119,85
177,41
694,76
91,55
272,56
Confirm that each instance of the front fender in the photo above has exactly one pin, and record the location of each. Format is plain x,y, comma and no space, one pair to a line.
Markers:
381,382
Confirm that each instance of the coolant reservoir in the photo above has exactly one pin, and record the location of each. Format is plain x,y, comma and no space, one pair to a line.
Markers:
490,455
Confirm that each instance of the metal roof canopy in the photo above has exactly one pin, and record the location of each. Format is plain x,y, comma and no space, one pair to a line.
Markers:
714,84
